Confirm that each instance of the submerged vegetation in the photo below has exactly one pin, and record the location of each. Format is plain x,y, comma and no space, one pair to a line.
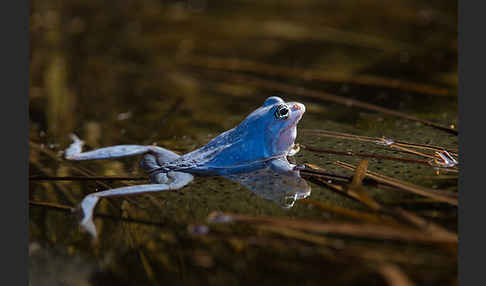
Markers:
378,142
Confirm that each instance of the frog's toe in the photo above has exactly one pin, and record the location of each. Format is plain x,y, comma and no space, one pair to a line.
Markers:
179,179
88,225
159,178
75,148
86,208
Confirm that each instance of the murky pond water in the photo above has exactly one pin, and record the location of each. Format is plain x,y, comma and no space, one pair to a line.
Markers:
178,73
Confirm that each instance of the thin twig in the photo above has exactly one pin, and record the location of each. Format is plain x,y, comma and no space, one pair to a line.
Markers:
51,205
341,135
52,155
363,216
380,157
356,186
441,196
60,207
407,150
319,172
395,212
90,178
394,275
311,173
366,230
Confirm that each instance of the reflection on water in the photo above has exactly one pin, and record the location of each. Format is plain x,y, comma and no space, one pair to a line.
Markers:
283,187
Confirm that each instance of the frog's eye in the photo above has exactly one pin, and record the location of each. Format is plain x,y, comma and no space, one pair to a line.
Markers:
282,112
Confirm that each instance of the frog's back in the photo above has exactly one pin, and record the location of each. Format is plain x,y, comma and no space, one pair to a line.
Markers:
232,151
206,153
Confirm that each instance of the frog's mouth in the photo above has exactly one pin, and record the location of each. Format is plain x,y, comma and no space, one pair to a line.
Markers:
287,135
298,110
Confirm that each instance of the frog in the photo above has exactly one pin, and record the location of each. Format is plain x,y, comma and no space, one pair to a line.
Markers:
254,153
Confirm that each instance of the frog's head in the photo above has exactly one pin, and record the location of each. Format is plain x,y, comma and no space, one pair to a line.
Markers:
274,125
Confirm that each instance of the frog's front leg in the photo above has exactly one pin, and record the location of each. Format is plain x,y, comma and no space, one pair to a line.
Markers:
293,150
165,182
74,151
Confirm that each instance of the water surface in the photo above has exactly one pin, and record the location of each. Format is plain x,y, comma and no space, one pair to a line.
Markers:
178,73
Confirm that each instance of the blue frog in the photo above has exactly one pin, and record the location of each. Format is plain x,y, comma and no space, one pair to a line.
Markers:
254,154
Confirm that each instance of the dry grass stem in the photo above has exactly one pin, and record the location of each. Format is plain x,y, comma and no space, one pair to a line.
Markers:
394,275
442,196
364,230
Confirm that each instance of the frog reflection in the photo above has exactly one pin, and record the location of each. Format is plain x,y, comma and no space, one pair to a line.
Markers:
275,182
253,153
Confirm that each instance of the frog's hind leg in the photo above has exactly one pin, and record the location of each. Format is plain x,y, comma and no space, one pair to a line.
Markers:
153,161
74,151
154,156
164,182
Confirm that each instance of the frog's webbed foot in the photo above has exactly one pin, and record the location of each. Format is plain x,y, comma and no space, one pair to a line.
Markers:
166,182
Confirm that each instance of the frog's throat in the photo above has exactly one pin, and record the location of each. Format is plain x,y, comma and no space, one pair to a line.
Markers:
286,130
